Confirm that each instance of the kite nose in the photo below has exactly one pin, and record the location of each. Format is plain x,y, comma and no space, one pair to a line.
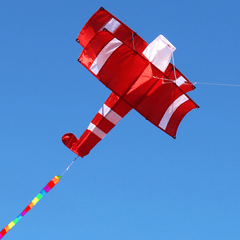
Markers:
68,139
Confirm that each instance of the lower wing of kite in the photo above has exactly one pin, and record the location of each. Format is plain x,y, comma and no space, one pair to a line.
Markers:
139,75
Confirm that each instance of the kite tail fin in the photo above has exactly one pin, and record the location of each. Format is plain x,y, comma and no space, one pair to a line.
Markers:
78,146
71,142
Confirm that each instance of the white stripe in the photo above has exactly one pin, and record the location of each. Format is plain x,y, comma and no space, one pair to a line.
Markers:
171,109
96,131
103,56
181,80
109,114
112,25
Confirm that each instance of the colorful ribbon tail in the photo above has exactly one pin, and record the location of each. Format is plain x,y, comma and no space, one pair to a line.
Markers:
43,192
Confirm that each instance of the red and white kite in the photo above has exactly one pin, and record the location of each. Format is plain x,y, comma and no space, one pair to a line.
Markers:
139,75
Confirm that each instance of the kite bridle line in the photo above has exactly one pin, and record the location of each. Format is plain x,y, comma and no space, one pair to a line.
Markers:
217,84
194,83
174,69
175,76
168,80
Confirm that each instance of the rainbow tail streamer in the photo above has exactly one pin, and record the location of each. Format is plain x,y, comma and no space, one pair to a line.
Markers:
45,190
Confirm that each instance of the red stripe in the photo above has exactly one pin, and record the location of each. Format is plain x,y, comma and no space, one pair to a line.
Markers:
102,123
141,87
95,46
177,117
123,33
117,105
93,25
121,70
157,101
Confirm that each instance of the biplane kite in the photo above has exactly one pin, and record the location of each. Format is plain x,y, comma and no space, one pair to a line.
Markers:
140,76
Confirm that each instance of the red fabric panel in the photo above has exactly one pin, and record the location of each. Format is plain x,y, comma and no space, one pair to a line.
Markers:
130,38
177,117
123,33
85,143
122,69
141,87
157,101
120,107
93,25
112,100
102,123
91,51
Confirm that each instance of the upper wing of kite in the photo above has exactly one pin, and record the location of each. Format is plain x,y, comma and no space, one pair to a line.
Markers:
103,19
139,75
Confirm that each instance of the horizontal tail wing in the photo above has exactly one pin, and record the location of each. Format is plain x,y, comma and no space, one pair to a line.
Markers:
113,110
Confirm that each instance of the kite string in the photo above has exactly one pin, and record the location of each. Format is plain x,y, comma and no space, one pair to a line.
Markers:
69,165
166,80
219,84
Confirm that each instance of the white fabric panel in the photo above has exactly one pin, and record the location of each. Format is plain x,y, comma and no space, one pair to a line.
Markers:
112,25
159,52
103,56
179,81
96,131
171,109
104,110
109,114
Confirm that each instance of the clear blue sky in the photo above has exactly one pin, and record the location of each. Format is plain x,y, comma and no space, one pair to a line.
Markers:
138,183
